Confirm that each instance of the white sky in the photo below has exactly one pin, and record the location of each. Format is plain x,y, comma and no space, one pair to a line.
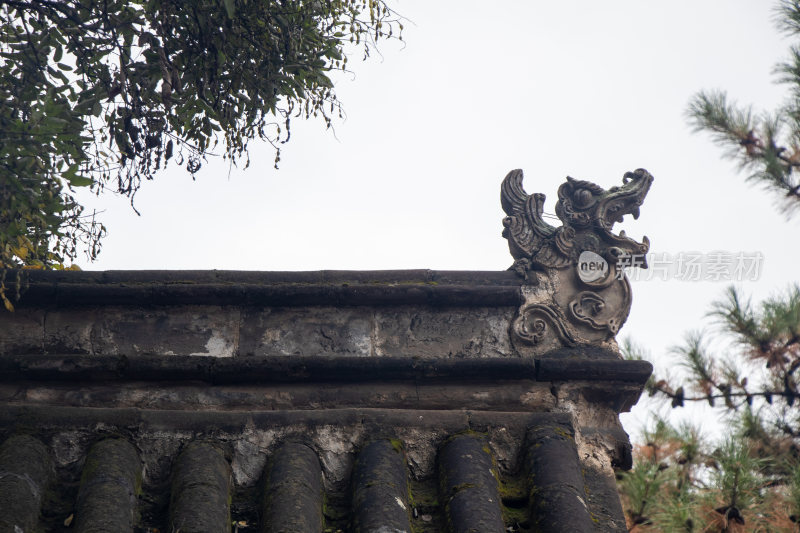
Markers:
411,179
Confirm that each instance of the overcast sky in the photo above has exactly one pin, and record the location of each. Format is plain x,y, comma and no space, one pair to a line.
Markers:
411,178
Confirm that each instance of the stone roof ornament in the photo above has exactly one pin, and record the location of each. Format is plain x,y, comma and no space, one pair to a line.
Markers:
576,291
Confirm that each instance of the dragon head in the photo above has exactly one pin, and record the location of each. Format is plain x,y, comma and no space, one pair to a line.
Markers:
589,209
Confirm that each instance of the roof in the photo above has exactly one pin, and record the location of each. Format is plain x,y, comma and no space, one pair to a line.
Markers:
105,492
352,401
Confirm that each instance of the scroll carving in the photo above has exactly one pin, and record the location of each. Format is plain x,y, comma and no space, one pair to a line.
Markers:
531,325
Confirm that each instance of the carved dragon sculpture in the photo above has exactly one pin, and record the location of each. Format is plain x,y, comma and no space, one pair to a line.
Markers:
579,309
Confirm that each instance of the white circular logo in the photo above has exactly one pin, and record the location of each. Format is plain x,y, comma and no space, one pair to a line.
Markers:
591,267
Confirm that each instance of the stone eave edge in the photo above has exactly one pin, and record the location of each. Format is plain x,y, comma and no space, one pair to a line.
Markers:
320,369
65,289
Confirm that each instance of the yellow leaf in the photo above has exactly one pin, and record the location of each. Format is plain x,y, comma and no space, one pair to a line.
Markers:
68,520
19,252
6,301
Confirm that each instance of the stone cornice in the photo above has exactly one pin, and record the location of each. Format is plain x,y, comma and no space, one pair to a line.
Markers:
320,369
225,287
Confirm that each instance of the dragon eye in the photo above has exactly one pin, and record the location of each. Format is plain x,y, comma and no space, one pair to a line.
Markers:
582,198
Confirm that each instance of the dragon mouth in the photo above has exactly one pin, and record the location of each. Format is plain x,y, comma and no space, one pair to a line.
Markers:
620,217
623,201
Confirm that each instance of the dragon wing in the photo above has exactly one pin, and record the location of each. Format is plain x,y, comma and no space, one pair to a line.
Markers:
512,196
525,230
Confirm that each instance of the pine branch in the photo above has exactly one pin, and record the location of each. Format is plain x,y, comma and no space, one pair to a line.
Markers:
755,142
788,16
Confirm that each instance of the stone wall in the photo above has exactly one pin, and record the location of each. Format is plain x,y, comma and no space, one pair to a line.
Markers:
248,362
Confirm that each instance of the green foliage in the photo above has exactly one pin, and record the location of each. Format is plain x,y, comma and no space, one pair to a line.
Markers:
103,94
749,481
681,482
768,143
659,489
765,370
